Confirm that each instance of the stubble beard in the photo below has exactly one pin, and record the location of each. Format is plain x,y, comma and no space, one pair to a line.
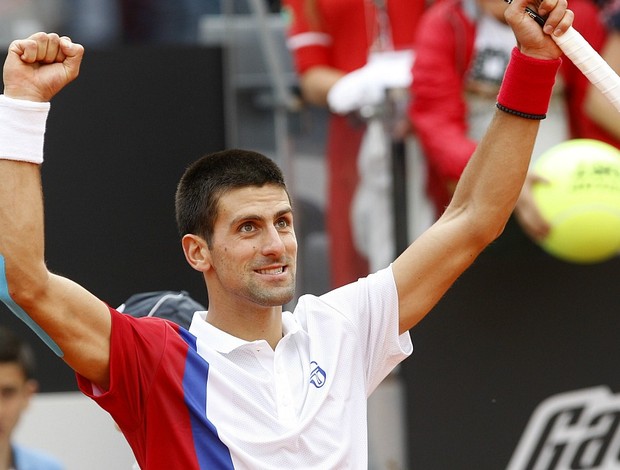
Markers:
272,296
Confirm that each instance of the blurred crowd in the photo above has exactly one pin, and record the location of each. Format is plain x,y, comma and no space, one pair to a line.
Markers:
102,23
346,53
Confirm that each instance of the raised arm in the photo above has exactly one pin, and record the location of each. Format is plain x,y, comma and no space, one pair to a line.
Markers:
488,188
35,70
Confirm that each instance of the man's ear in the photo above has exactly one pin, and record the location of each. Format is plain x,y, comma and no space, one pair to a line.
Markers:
31,387
197,252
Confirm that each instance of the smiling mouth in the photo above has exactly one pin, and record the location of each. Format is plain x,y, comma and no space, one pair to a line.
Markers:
278,270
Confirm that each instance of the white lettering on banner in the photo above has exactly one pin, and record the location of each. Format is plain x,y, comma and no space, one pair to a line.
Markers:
577,430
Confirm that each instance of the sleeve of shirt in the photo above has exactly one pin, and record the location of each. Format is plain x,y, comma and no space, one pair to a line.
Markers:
371,305
438,109
309,45
136,350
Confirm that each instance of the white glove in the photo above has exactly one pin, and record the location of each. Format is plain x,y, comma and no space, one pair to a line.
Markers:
367,85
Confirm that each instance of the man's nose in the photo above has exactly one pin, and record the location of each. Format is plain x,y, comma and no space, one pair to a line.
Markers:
273,242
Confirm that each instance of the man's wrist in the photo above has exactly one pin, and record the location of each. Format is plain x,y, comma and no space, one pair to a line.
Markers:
527,85
22,129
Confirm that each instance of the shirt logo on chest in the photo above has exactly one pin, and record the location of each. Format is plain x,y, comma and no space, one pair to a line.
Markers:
317,375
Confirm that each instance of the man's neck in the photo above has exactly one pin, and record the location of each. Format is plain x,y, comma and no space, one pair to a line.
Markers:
265,324
6,456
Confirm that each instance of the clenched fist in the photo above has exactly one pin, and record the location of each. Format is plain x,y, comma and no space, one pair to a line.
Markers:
38,67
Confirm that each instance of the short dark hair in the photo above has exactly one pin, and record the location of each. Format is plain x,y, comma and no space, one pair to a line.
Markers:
14,350
207,179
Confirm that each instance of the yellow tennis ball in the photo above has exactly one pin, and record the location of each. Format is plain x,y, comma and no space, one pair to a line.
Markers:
581,200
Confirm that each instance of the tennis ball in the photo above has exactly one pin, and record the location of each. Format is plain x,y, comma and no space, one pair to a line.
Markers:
581,200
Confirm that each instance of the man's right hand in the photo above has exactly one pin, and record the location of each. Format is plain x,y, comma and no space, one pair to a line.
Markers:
38,67
531,39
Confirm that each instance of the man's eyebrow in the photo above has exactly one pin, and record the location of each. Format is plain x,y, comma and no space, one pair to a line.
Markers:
251,217
245,218
288,210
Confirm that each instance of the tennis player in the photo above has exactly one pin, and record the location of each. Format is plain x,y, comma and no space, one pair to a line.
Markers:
249,386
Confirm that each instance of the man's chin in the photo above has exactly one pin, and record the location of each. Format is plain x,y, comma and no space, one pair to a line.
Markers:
276,299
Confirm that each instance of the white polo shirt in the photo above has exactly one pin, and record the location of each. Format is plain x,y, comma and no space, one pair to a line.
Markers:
303,406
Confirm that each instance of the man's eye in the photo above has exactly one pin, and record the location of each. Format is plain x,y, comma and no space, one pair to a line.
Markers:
8,393
246,228
282,223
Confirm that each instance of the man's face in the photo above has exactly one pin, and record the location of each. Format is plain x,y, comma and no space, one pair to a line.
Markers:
15,393
254,249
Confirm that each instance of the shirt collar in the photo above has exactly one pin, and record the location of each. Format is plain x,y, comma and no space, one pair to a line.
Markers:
224,342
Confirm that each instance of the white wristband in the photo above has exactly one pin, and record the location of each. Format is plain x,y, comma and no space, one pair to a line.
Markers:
22,129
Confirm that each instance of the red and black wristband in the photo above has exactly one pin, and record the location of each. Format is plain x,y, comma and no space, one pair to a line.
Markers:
527,86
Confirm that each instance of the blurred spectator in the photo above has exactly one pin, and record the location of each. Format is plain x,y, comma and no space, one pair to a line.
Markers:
17,386
332,40
93,23
102,23
462,49
597,106
107,22
164,21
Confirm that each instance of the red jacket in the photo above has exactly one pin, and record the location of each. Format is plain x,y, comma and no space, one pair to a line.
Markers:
338,33
444,50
